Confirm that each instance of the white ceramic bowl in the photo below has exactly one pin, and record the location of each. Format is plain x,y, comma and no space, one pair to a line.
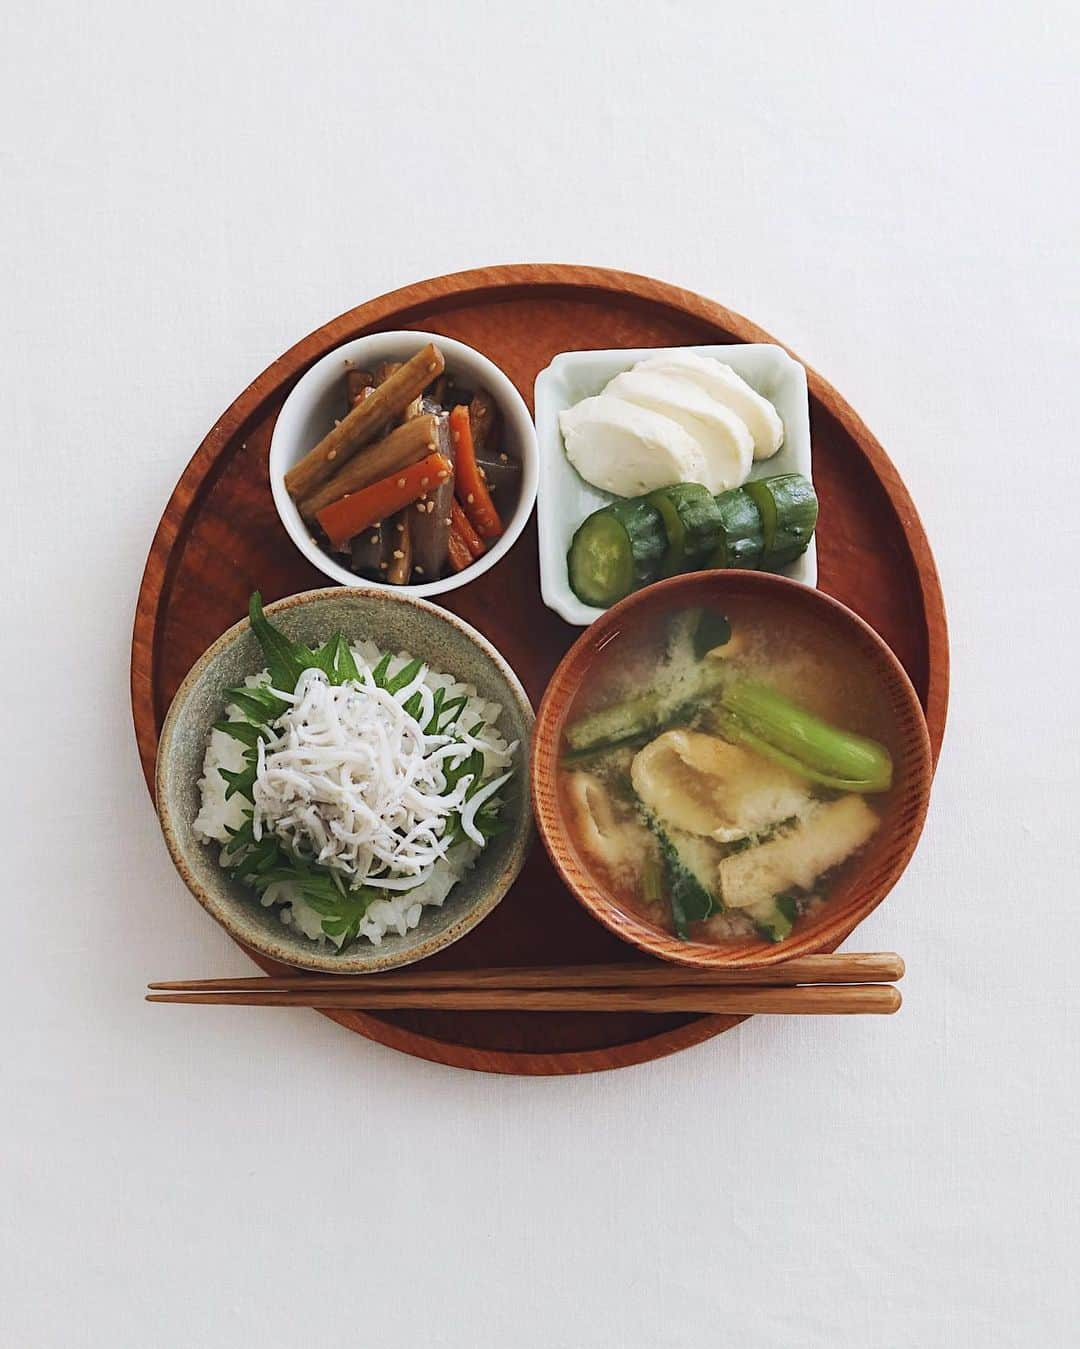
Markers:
317,398
565,499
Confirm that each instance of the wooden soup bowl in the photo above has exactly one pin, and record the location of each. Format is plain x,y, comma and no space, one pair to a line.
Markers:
861,883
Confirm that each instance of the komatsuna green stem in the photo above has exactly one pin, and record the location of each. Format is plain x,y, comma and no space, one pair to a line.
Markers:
764,720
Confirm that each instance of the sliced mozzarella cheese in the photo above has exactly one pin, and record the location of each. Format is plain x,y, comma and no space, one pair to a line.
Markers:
722,384
626,449
726,444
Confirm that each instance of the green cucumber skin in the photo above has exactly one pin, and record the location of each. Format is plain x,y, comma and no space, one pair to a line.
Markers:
764,525
645,530
674,558
789,511
691,519
742,538
632,535
700,516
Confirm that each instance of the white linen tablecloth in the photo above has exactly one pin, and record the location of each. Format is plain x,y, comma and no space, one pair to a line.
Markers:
188,189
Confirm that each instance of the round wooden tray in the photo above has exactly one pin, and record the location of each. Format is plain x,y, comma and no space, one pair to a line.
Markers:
220,538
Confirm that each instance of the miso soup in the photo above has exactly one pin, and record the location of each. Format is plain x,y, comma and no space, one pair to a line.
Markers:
719,770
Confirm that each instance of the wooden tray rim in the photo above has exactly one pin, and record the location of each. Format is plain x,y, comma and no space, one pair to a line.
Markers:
458,288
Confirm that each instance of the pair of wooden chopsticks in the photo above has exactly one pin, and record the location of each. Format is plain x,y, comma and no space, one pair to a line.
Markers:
816,985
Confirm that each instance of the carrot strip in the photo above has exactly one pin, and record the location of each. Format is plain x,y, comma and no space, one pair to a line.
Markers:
461,525
457,551
341,520
470,486
362,422
404,445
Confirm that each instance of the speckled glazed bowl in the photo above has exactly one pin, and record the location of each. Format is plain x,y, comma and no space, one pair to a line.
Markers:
397,623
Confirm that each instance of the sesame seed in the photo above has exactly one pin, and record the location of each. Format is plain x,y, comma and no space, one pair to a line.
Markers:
443,475
401,482
469,499
419,570
448,521
331,454
374,538
337,421
424,482
505,458
400,527
398,554
383,565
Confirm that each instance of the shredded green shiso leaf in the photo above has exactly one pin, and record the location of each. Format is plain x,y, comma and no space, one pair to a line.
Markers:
259,863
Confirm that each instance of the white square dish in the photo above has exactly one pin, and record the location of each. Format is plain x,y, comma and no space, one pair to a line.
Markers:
564,499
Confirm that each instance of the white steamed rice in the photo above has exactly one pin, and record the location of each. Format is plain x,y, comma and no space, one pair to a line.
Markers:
400,911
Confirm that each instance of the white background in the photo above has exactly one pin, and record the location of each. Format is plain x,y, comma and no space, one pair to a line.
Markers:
189,188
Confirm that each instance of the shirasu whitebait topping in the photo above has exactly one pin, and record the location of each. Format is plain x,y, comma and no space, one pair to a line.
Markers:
351,780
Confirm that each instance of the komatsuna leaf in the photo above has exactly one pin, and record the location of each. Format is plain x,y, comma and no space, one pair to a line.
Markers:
772,725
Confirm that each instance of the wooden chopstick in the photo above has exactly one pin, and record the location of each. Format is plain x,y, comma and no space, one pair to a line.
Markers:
845,968
808,985
804,999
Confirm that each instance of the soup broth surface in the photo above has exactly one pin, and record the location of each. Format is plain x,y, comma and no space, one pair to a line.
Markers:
701,813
